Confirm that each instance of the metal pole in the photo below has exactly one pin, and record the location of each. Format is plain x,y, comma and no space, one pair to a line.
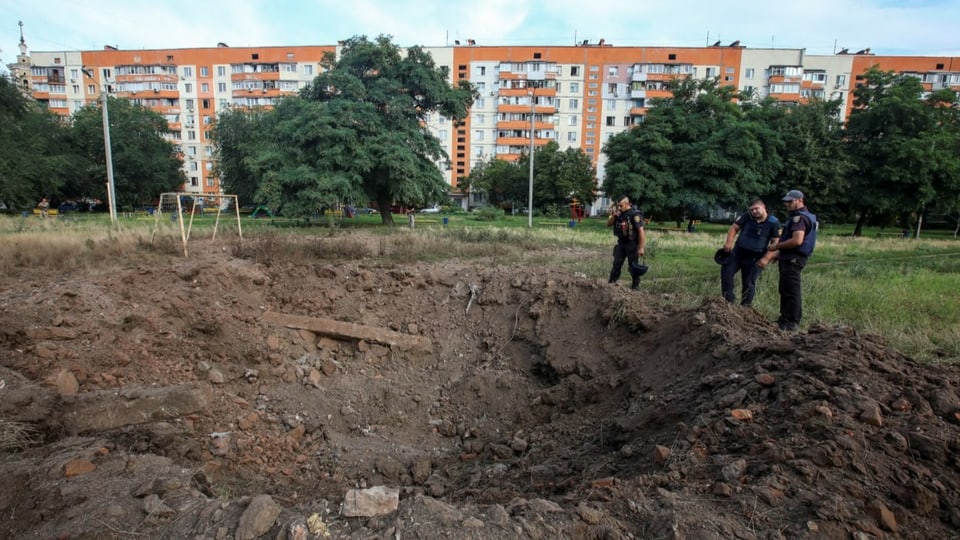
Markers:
533,103
112,192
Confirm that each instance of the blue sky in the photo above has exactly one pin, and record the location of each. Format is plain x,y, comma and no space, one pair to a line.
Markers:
901,27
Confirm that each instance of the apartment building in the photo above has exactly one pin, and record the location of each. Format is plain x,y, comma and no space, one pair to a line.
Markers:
189,87
578,95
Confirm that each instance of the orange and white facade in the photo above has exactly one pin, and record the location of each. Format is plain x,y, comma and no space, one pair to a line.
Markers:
578,96
189,87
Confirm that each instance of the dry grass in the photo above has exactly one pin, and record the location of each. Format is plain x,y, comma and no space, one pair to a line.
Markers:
17,435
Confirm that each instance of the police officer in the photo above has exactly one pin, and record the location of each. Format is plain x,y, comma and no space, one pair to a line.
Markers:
795,246
627,223
757,230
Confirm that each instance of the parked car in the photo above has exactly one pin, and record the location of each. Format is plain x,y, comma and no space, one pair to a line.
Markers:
435,209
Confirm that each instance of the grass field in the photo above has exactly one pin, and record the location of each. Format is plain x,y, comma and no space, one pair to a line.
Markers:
903,289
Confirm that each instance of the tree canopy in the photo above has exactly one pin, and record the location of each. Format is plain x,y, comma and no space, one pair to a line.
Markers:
904,144
558,178
355,134
36,158
144,163
694,151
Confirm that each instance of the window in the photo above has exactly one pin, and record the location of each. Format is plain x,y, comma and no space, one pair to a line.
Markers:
221,87
221,71
479,119
478,134
672,56
574,71
76,89
480,103
189,104
841,80
626,120
482,70
188,71
572,120
611,121
194,182
204,71
193,166
308,69
204,87
188,88
612,72
574,103
611,104
729,70
191,135
711,72
748,73
91,89
443,134
574,87
209,166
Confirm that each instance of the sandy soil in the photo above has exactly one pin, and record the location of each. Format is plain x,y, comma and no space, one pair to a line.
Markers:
170,399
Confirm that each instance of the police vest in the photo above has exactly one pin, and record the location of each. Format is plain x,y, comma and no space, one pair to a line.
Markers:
626,225
809,237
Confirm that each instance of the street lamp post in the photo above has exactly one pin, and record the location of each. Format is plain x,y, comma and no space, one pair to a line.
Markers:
533,104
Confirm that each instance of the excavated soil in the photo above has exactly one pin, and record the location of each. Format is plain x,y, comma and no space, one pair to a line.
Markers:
163,399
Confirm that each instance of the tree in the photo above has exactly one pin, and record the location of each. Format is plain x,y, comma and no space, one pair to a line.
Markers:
695,151
809,141
144,163
904,148
237,138
36,159
499,180
559,176
368,129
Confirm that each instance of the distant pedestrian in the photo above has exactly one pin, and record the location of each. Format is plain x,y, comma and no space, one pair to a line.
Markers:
796,244
44,206
755,231
627,223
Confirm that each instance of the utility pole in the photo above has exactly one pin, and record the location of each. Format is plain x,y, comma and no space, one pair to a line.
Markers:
111,189
533,105
108,151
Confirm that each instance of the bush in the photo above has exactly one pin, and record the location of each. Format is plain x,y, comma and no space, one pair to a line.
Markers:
489,213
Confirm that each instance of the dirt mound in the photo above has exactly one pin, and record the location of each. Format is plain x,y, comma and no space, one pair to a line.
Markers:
215,397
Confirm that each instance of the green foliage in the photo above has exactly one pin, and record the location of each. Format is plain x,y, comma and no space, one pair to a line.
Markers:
144,163
558,177
905,147
695,151
489,213
365,130
36,158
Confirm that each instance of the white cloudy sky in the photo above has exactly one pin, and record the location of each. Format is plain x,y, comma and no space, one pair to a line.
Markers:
902,27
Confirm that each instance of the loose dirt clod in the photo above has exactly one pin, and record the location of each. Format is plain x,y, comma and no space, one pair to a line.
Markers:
549,406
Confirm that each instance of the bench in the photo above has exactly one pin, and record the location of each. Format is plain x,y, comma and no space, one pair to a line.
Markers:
53,212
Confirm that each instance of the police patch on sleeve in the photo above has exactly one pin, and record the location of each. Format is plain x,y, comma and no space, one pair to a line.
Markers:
636,218
796,219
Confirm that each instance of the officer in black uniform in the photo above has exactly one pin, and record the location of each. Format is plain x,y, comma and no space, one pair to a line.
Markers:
796,244
627,223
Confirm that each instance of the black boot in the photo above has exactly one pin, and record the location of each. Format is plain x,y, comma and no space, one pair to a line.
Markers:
635,284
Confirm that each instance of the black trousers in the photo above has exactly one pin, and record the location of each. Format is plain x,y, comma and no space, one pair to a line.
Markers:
745,262
791,292
623,251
